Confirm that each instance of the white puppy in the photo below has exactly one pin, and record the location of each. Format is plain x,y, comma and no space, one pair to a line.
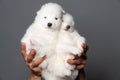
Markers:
68,45
43,33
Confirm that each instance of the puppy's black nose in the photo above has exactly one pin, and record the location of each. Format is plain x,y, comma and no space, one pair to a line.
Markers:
68,27
49,24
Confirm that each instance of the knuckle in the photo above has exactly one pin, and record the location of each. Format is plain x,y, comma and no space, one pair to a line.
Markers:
34,63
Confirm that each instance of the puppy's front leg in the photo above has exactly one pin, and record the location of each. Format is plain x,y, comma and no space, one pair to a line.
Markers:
79,40
70,49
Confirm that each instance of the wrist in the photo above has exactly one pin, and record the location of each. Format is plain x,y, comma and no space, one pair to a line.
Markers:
33,76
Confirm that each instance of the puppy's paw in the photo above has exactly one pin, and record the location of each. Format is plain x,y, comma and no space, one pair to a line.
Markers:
67,73
76,51
70,67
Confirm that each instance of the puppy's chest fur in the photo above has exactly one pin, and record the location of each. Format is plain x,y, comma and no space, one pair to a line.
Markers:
66,38
45,38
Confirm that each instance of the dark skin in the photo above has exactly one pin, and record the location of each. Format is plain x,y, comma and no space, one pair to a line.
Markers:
79,61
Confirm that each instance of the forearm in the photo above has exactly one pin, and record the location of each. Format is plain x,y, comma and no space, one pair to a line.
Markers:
34,77
81,75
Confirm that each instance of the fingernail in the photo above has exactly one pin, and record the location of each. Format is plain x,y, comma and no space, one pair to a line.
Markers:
84,45
68,61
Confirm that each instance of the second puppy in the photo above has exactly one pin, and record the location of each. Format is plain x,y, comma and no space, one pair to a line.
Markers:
68,45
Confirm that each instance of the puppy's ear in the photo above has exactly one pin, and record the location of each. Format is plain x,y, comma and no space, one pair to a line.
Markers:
38,12
63,11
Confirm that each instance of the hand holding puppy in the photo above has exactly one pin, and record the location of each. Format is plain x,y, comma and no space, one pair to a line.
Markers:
32,64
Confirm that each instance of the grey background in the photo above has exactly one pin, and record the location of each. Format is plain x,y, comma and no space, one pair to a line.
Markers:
97,20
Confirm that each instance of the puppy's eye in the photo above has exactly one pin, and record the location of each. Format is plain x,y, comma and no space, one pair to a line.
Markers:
45,17
56,18
62,20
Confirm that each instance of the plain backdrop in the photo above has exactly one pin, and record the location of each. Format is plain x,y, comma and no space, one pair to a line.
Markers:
97,20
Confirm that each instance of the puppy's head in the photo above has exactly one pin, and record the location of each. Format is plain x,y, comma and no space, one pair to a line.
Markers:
67,23
50,16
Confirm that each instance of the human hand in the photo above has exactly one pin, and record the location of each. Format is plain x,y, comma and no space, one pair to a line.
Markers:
32,64
80,60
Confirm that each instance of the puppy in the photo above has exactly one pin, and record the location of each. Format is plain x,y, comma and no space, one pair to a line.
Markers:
43,32
68,45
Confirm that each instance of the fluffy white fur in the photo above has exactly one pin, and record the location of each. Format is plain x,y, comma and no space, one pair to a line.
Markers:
43,33
68,45
58,42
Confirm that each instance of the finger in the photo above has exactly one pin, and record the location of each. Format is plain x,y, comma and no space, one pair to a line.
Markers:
73,62
83,56
84,62
86,49
31,55
38,61
23,49
84,45
37,70
79,67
